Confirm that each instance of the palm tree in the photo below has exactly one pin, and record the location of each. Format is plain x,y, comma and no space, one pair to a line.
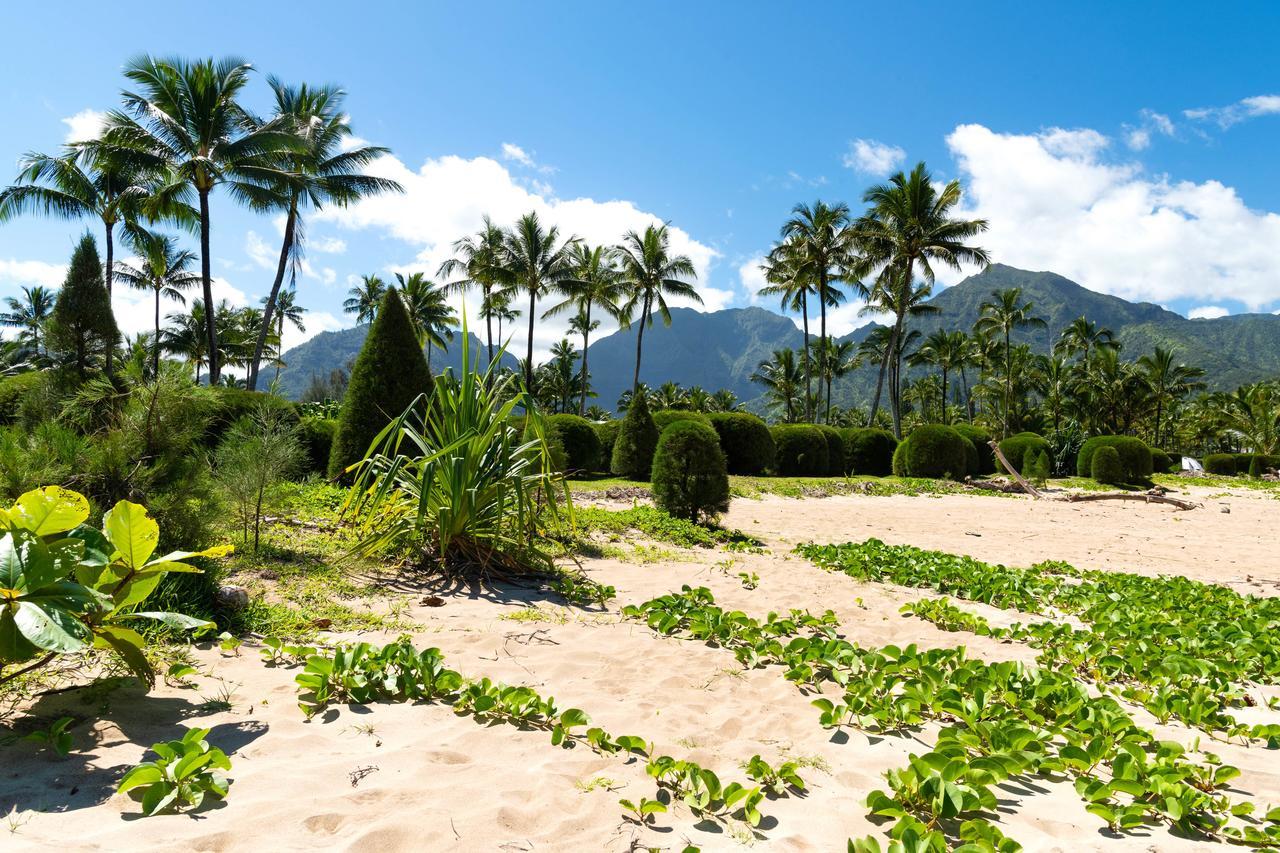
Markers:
536,261
910,228
29,313
363,299
1001,315
480,264
595,281
1253,416
499,308
287,311
835,360
1055,381
1169,382
901,302
725,400
323,168
165,271
781,378
185,122
1082,336
650,274
946,351
184,335
429,309
783,273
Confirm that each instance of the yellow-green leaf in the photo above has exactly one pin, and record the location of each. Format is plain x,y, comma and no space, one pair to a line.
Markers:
132,532
51,509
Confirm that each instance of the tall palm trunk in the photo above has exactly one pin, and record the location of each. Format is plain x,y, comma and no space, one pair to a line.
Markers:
808,384
586,330
528,365
155,342
280,335
488,321
206,281
108,278
968,397
1008,382
944,395
269,310
884,366
644,315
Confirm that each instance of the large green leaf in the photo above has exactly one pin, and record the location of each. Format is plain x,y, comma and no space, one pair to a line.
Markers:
50,628
11,575
132,532
180,621
49,510
13,646
68,595
127,643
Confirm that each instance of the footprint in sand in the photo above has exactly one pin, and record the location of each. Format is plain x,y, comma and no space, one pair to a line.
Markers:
324,824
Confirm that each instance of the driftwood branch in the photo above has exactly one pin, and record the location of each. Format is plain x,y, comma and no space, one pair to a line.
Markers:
1145,497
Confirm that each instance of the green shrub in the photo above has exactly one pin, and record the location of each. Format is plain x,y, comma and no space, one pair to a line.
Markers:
233,404
664,418
1036,466
746,442
13,389
388,375
578,437
690,475
1220,463
1015,448
1135,456
1106,467
800,450
869,451
933,450
1161,462
980,438
317,442
637,439
835,451
607,435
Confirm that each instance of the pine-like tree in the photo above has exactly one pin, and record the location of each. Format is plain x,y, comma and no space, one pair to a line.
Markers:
82,327
637,438
388,374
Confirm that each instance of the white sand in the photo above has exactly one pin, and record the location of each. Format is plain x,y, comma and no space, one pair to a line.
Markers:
444,782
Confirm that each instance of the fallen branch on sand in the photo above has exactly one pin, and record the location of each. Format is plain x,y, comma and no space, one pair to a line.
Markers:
1145,497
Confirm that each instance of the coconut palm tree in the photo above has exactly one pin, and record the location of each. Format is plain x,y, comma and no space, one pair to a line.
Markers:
363,299
287,311
1000,315
428,307
29,313
908,229
1253,416
785,279
781,378
902,302
1082,336
1055,381
946,351
1169,382
499,308
184,335
323,168
725,400
536,262
185,122
595,282
479,264
165,270
835,360
650,273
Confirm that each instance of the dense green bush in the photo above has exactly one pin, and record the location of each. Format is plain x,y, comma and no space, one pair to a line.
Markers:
1036,466
835,451
606,434
1161,462
933,450
690,476
388,375
868,451
1235,464
316,435
980,438
232,404
637,439
1135,456
578,437
1106,467
13,389
1015,448
1220,463
745,439
664,418
800,450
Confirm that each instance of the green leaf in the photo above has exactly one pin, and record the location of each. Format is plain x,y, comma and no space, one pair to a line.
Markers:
143,774
132,532
49,510
128,644
180,621
50,628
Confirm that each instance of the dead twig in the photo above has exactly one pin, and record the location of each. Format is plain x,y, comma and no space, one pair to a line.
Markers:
1145,497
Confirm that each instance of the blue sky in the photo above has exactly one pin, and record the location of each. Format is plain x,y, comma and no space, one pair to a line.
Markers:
1131,147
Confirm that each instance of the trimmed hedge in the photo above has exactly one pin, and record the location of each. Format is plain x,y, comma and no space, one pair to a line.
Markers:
1234,464
637,438
606,434
801,450
835,450
1105,465
1161,462
933,450
581,445
12,391
317,442
1220,463
690,477
745,439
979,437
868,451
664,418
1135,456
1015,448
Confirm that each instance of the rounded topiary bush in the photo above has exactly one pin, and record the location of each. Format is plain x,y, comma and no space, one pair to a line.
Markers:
800,450
579,440
637,437
317,442
835,451
690,477
933,450
1106,467
1015,448
980,438
666,417
746,442
1161,463
1135,456
606,434
1220,463
869,451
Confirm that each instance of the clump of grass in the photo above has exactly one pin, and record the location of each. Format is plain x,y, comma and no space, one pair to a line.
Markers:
656,525
533,613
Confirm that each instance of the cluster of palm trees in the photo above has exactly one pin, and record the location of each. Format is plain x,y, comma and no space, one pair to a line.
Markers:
181,134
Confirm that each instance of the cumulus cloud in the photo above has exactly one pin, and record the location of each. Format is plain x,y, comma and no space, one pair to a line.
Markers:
1055,202
1207,312
86,124
1242,110
869,157
446,198
28,273
751,277
135,309
327,245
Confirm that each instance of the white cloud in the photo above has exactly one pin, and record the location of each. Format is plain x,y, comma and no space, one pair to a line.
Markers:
1246,108
510,151
446,198
86,124
1138,138
1207,312
1054,203
135,309
327,245
29,273
752,278
316,322
259,252
870,157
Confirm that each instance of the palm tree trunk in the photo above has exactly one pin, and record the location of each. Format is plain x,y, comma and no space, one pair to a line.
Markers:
206,281
108,277
279,336
891,357
884,364
1008,382
155,344
488,321
968,395
944,396
586,330
268,311
528,365
822,339
808,384
644,315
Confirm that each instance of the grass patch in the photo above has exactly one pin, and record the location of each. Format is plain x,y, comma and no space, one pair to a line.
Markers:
1215,481
656,525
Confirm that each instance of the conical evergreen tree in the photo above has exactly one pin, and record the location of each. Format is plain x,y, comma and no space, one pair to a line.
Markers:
388,374
637,438
82,326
